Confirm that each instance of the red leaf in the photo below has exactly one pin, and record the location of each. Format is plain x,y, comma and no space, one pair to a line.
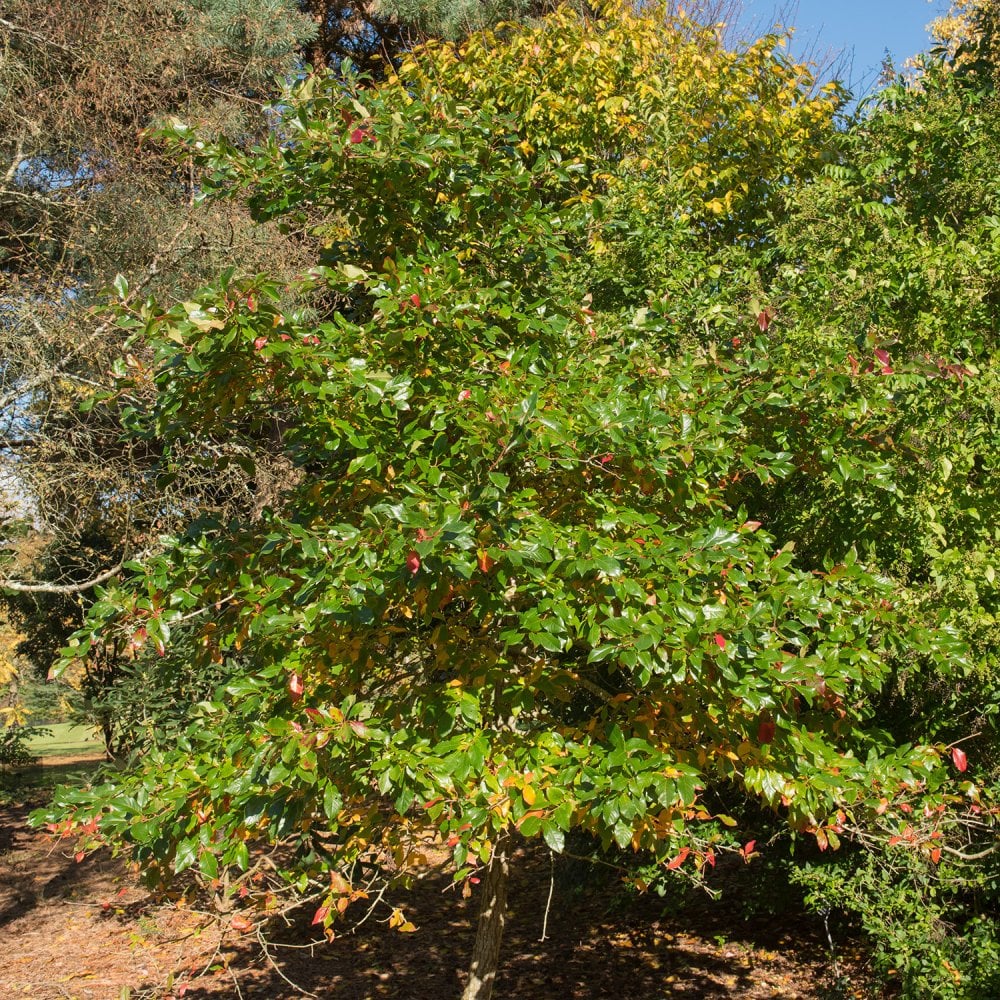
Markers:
358,135
750,525
883,359
747,849
936,855
464,395
606,459
251,303
720,640
241,924
959,759
679,860
79,856
765,732
415,299
260,343
320,915
486,562
763,320
413,562
296,686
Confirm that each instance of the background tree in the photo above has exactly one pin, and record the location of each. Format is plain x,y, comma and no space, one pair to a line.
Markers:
84,198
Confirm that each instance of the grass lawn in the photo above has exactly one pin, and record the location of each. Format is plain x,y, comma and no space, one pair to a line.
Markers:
67,741
77,752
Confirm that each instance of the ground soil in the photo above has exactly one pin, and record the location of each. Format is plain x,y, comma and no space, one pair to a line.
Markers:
85,930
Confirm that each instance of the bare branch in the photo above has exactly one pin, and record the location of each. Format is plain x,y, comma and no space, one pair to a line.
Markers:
43,377
28,33
61,588
971,857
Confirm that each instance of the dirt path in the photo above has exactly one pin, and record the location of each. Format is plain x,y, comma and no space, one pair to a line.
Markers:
85,931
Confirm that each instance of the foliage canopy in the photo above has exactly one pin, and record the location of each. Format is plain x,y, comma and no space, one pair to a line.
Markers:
602,512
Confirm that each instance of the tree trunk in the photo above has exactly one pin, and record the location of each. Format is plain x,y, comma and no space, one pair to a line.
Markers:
492,917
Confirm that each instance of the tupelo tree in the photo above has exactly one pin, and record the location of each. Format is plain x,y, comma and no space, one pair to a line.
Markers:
506,594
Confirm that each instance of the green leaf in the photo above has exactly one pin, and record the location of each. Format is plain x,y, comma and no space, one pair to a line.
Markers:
554,837
185,855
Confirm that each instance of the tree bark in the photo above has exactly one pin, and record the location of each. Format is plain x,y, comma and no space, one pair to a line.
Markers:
492,918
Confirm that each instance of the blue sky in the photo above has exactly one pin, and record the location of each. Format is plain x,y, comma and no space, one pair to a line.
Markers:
861,29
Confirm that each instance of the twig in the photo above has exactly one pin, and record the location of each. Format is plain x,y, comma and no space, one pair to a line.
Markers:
184,937
214,606
274,965
548,902
216,953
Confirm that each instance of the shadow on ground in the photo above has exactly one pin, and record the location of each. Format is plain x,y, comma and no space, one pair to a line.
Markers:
602,944
87,930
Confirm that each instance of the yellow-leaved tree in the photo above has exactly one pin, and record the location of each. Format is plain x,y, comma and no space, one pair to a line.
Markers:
638,95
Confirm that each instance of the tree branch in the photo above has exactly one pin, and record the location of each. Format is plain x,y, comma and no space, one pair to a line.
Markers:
61,588
971,857
43,377
28,33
